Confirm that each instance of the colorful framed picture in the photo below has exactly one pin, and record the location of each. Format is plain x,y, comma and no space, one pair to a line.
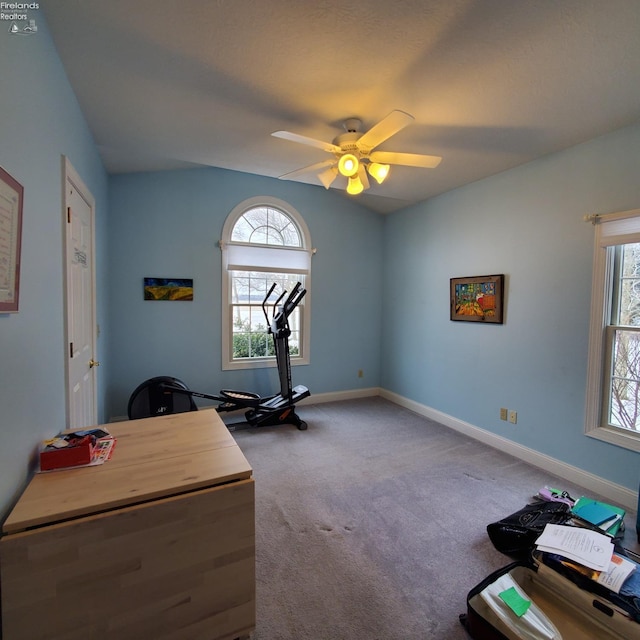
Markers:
168,289
478,299
11,197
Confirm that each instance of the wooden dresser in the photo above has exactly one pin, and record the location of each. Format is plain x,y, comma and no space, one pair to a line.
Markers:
157,543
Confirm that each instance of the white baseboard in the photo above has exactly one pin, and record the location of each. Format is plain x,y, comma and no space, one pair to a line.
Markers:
337,396
618,494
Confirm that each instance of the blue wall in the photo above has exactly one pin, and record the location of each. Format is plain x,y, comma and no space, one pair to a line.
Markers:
380,285
40,120
528,224
169,224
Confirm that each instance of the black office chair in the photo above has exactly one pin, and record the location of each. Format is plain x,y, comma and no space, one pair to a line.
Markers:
154,397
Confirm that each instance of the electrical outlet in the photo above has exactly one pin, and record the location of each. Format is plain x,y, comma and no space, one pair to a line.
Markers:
503,413
513,417
360,373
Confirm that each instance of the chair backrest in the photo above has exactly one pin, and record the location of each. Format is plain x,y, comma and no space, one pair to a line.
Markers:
160,396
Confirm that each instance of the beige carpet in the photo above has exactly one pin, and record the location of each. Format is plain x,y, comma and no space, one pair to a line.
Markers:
372,523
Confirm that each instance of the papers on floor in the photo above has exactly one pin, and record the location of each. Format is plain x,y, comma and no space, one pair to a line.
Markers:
589,548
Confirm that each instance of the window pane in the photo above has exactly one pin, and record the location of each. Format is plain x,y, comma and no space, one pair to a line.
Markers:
263,225
258,321
625,380
624,387
242,230
283,230
252,286
294,338
239,290
629,295
240,319
251,338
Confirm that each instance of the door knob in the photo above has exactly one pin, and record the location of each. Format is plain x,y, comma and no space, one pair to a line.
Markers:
93,363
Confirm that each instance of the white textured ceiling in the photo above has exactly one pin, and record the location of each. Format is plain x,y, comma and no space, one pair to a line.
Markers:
491,83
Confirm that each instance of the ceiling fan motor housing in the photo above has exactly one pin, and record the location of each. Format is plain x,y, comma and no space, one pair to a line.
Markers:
347,142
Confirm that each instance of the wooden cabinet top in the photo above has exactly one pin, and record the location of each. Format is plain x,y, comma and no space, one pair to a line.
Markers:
153,458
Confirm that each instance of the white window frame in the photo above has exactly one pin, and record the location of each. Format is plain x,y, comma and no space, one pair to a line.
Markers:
610,230
270,258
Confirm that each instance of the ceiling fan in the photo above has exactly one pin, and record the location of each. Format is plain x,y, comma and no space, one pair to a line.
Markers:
354,154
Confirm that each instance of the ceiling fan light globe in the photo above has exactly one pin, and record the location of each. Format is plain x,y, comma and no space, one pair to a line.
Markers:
378,171
328,176
348,165
355,186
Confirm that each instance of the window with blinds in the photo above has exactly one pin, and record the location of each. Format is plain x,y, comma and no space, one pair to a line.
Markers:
264,242
613,380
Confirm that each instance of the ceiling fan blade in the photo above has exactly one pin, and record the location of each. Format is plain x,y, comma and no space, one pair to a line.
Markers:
312,142
388,126
310,169
406,159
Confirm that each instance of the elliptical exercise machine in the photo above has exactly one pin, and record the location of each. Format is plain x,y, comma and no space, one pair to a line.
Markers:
279,408
156,395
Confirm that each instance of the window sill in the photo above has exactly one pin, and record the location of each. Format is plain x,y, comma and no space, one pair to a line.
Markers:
617,437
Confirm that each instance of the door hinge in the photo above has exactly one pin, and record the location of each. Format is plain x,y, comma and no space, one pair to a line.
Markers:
69,215
71,349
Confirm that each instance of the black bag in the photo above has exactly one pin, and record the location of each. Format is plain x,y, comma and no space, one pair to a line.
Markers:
516,534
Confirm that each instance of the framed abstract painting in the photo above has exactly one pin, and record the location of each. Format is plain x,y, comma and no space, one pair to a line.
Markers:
168,289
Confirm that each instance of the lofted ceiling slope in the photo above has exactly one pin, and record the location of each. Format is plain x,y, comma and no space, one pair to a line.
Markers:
492,84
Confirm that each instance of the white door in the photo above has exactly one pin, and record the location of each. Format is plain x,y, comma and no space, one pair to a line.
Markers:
80,301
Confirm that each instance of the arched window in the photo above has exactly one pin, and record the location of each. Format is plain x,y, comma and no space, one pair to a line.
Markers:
264,241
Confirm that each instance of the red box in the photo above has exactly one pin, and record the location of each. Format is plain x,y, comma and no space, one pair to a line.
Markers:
71,456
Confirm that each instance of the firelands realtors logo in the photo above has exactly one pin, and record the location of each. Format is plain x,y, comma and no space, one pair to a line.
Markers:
17,15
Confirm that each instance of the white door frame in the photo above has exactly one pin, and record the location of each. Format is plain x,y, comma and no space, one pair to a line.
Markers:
70,178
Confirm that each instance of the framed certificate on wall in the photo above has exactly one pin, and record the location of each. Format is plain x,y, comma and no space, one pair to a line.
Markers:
11,197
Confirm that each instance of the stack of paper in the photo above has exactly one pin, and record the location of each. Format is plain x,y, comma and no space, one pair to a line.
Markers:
619,570
589,548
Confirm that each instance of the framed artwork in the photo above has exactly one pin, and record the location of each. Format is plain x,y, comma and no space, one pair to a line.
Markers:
11,197
168,289
478,299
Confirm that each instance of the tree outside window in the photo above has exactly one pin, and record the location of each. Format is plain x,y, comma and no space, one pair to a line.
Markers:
625,351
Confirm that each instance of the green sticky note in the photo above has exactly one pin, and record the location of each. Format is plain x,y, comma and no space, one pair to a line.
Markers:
515,601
